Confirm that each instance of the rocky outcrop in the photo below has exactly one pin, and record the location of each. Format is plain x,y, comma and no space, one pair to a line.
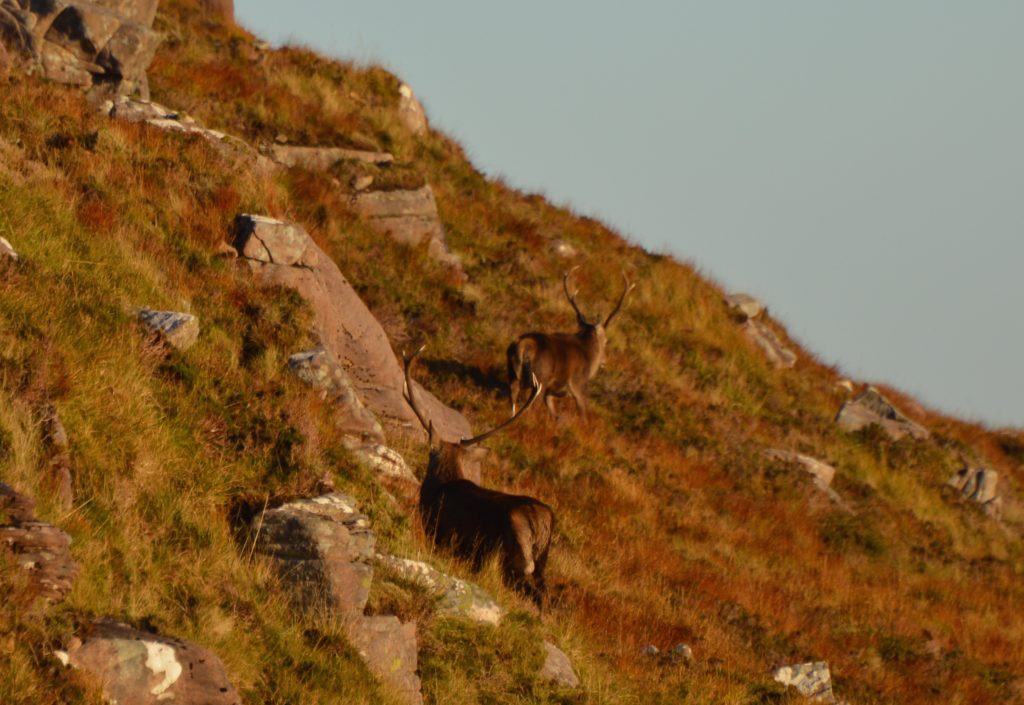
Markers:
406,216
557,667
345,327
744,305
410,111
107,43
870,407
321,370
455,598
323,158
180,330
812,680
978,485
146,669
770,344
37,547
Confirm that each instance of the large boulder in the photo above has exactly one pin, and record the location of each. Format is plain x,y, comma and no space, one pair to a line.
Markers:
744,305
147,669
321,370
180,330
107,43
872,408
346,328
406,216
557,667
978,485
455,597
37,547
757,332
812,680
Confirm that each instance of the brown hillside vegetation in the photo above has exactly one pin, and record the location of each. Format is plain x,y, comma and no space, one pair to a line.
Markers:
673,526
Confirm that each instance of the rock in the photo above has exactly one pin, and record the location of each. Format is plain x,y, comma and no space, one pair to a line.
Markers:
361,182
323,158
408,217
650,650
681,653
7,251
222,10
141,11
563,249
823,473
145,669
319,369
770,344
389,649
386,461
811,680
870,407
323,547
348,331
180,330
264,239
457,598
411,111
58,458
978,485
557,667
40,548
744,305
845,384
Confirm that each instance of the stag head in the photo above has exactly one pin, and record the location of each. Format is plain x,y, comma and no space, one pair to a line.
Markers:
583,322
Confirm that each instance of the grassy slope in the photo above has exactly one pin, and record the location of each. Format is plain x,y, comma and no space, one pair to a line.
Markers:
673,527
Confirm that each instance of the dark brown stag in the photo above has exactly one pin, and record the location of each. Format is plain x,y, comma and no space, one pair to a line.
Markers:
474,522
563,362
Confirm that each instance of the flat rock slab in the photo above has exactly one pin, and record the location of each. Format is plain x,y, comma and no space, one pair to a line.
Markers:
457,598
323,158
745,305
406,216
322,547
321,370
180,330
139,668
389,648
812,680
37,547
978,485
349,332
770,344
7,251
557,667
870,407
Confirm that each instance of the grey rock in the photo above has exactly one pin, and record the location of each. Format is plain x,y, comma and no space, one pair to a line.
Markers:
681,652
744,305
323,547
457,598
386,462
7,252
264,239
650,650
148,669
362,182
37,547
978,485
557,667
822,472
348,331
812,680
180,330
770,344
389,648
871,407
319,369
406,216
411,111
323,158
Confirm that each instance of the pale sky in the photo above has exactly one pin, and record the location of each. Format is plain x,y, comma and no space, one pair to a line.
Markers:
859,166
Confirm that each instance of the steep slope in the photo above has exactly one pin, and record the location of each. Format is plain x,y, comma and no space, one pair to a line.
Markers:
674,526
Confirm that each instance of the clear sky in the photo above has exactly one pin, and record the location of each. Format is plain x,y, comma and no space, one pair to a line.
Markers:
859,166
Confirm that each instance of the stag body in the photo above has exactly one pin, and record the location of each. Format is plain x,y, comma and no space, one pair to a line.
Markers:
562,362
475,522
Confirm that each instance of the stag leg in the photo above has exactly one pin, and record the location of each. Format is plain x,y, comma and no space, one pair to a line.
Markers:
577,396
549,402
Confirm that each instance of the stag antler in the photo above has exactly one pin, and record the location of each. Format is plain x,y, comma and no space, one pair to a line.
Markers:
629,287
537,387
580,318
428,426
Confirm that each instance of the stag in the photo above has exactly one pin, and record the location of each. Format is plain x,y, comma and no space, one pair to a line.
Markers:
475,522
563,362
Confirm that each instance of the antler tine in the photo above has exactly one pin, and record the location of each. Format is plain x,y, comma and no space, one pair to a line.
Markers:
408,394
537,387
628,288
572,297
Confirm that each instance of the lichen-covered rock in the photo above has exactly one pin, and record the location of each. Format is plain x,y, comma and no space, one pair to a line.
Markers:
180,330
411,111
39,548
323,158
321,370
456,598
406,216
870,407
744,305
349,332
978,485
138,668
770,344
389,648
386,461
323,547
812,680
557,667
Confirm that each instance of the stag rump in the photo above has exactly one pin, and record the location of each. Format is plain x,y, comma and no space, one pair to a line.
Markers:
563,362
474,522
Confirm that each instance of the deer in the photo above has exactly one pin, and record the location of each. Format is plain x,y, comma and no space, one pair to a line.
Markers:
474,522
562,362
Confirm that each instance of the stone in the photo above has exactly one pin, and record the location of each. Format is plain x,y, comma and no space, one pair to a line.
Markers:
319,369
141,11
563,249
7,252
411,111
456,598
770,344
146,669
386,462
681,653
264,239
812,680
361,182
58,458
557,667
323,547
389,648
744,305
871,407
348,331
37,547
978,485
180,330
650,650
323,158
846,385
409,217
822,472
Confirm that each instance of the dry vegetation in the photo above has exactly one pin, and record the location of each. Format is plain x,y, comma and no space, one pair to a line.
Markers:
672,525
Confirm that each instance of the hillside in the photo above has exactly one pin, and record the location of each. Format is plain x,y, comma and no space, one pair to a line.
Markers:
673,525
